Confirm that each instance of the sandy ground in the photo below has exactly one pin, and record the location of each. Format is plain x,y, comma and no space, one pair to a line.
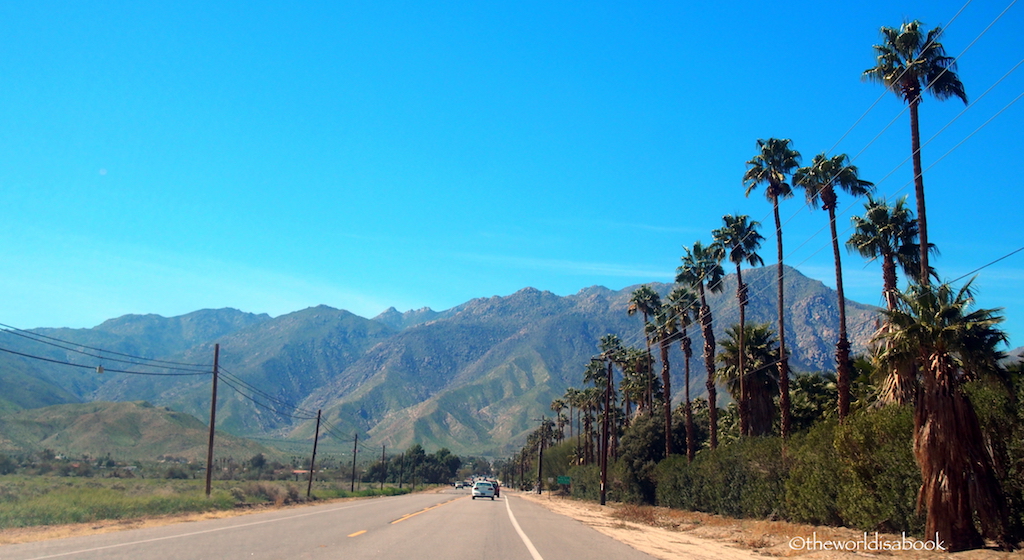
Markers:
677,535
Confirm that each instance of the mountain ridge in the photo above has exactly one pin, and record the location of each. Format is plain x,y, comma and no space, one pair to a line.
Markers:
470,378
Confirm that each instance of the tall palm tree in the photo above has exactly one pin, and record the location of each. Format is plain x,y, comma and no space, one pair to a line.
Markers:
909,62
820,181
774,161
645,301
740,238
888,233
571,396
665,331
557,406
762,384
636,377
935,332
684,304
702,267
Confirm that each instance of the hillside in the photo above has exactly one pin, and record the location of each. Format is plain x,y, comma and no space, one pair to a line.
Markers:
472,378
126,431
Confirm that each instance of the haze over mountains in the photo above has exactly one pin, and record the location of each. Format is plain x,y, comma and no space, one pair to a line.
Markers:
472,378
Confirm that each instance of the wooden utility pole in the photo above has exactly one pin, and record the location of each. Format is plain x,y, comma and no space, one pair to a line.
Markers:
213,420
540,459
355,449
401,470
312,460
383,468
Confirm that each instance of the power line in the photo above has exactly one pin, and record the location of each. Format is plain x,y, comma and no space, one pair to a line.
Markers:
30,334
100,369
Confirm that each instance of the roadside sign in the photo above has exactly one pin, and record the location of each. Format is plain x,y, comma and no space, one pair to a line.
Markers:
564,480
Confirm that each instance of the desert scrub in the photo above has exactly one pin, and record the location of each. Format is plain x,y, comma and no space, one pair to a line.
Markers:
47,501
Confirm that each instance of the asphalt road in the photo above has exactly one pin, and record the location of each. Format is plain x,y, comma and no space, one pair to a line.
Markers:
447,525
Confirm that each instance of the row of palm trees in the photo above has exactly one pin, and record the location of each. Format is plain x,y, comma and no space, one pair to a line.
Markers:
931,345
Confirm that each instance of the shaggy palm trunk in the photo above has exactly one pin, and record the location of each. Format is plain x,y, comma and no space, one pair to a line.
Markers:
957,475
843,366
744,406
709,366
783,358
691,443
761,406
922,219
889,289
649,395
666,389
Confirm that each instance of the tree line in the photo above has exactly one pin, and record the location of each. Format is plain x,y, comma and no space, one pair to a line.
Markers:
931,356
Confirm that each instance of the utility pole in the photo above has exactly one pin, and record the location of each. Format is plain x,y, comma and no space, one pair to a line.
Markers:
540,456
383,468
401,470
312,460
213,420
355,449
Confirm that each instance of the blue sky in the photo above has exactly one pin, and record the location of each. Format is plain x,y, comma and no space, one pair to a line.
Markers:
271,156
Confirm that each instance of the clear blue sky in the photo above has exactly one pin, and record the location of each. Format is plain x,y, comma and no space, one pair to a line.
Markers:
270,156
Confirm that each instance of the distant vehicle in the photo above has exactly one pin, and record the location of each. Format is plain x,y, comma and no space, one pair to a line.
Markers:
483,490
460,484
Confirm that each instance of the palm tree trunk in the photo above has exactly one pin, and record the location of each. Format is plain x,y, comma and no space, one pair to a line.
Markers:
666,389
783,357
649,395
691,443
922,218
843,365
709,366
956,469
889,288
741,297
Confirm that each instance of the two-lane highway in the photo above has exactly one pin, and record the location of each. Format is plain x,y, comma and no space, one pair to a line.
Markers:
446,525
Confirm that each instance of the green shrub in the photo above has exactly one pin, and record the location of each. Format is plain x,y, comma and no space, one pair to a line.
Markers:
812,485
879,475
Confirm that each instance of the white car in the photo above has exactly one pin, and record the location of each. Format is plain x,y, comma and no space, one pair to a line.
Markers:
483,490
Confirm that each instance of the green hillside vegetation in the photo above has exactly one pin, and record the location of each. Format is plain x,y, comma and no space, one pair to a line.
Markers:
124,431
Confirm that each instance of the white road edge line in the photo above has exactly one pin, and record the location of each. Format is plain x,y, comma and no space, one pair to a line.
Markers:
526,540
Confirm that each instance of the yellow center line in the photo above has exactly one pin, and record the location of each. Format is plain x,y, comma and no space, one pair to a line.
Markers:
357,533
424,510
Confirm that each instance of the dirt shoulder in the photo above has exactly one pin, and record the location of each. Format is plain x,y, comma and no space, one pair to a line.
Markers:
678,535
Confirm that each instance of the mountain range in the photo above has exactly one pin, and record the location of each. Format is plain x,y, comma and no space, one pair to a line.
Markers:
474,378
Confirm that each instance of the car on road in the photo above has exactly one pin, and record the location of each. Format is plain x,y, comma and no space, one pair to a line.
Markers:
460,484
483,490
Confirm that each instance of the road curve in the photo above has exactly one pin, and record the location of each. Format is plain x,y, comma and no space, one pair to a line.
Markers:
446,525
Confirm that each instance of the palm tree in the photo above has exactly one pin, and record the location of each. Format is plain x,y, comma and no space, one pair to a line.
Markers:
665,330
636,377
741,239
935,333
773,162
820,181
685,304
762,384
888,233
909,62
702,267
645,301
571,396
557,406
